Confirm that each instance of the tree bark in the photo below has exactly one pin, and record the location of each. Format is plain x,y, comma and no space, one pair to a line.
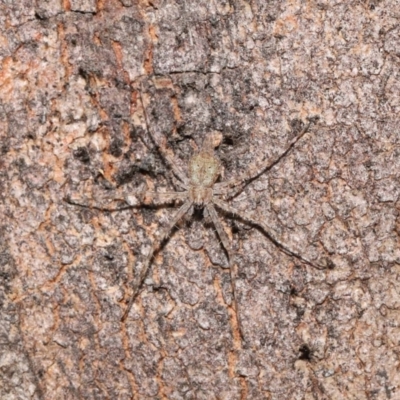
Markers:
72,80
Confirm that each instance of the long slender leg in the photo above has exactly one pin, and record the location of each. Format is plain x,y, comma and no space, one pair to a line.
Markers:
93,206
138,281
266,229
224,187
144,198
232,265
150,198
161,147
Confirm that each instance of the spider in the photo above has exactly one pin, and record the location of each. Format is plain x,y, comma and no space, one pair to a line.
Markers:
202,191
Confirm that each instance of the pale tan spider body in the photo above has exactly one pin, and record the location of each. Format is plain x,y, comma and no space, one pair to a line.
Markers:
202,190
204,169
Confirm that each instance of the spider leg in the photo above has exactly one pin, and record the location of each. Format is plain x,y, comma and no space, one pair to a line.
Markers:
162,148
232,266
150,198
225,188
94,206
273,237
144,198
155,246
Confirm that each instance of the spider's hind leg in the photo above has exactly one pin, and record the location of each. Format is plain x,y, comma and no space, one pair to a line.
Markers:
268,232
232,265
138,281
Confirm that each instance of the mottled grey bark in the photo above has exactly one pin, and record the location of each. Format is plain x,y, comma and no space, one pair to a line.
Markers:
72,124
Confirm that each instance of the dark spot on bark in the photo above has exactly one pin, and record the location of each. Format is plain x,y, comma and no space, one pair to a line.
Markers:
159,288
330,264
235,229
20,164
73,42
382,373
263,340
300,313
5,148
126,175
82,154
40,15
117,115
116,147
368,164
305,353
109,256
135,132
120,84
83,73
296,125
228,141
181,129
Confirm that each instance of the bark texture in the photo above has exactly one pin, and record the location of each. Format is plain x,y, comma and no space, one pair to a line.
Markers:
72,122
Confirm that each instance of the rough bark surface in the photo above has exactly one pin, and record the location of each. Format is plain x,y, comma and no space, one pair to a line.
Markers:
72,122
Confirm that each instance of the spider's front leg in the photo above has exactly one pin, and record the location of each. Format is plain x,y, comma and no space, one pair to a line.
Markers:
162,147
230,188
144,197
